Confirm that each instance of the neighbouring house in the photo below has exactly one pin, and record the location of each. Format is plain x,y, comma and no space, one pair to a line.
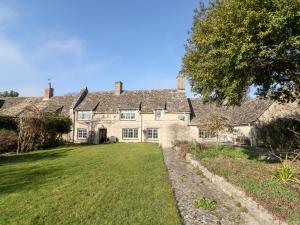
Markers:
161,116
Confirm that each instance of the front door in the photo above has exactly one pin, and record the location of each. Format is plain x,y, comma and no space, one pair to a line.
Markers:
102,135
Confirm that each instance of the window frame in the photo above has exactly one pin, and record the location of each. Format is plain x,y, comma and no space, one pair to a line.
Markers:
81,132
81,117
128,115
156,115
151,132
206,133
127,132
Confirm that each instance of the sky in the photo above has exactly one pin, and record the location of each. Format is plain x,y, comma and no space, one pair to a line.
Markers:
93,43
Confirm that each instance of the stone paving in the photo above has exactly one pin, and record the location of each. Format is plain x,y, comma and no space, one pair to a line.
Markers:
189,185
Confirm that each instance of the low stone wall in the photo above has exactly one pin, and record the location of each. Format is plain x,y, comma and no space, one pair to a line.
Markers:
256,210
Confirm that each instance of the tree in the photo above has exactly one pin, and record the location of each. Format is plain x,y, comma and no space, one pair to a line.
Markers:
236,44
217,124
10,93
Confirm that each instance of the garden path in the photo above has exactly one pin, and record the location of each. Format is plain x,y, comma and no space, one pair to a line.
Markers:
190,185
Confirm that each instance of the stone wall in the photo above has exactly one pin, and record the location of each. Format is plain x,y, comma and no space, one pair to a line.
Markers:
255,209
170,127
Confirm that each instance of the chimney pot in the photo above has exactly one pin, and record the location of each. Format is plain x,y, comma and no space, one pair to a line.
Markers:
118,88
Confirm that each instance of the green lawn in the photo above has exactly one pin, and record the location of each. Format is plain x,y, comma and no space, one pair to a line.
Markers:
101,184
249,170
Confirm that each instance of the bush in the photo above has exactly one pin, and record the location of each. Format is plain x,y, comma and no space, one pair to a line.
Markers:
286,172
8,140
201,147
279,135
8,123
183,147
42,131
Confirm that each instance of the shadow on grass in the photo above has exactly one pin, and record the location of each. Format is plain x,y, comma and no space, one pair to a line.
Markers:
24,179
237,151
253,154
34,156
258,154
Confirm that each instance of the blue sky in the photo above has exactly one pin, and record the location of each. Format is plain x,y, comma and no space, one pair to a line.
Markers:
92,43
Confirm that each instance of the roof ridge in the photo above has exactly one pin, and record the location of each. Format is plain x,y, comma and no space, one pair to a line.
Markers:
144,90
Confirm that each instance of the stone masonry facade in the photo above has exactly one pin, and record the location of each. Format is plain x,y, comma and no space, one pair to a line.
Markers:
161,116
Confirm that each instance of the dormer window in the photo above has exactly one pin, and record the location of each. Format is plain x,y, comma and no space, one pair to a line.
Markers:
84,115
128,115
158,114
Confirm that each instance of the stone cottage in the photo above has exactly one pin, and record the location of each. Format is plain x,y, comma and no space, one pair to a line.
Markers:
161,116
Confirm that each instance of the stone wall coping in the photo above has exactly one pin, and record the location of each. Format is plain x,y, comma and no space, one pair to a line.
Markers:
255,209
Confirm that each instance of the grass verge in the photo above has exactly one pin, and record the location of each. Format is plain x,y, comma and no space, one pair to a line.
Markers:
249,170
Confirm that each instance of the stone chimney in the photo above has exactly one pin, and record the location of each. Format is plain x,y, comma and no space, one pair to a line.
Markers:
49,92
180,82
118,88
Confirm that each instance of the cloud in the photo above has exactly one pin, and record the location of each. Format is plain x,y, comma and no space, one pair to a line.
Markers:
25,67
8,15
71,45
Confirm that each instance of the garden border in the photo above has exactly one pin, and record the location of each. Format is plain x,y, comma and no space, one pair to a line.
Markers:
255,209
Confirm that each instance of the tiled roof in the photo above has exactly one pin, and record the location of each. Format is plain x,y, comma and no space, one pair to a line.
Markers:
249,111
145,100
60,104
14,106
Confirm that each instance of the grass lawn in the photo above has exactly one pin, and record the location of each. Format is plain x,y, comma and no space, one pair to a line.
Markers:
248,170
100,184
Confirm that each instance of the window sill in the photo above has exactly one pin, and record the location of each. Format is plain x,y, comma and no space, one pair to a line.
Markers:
130,139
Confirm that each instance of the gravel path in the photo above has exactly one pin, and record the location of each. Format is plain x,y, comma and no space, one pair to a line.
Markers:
189,185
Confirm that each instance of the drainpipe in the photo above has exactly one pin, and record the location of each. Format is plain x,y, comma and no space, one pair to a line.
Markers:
73,126
142,128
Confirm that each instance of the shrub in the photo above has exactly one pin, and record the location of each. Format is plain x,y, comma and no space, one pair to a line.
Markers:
39,131
183,147
8,123
286,172
8,140
202,147
279,135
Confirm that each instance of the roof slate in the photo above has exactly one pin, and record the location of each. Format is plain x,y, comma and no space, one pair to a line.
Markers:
145,100
14,106
60,104
249,111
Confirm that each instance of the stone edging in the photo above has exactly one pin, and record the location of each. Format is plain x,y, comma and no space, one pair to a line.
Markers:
256,210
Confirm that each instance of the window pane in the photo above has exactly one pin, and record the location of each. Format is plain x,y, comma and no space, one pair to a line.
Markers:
157,114
155,134
127,115
82,133
152,133
207,133
130,133
84,115
135,133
